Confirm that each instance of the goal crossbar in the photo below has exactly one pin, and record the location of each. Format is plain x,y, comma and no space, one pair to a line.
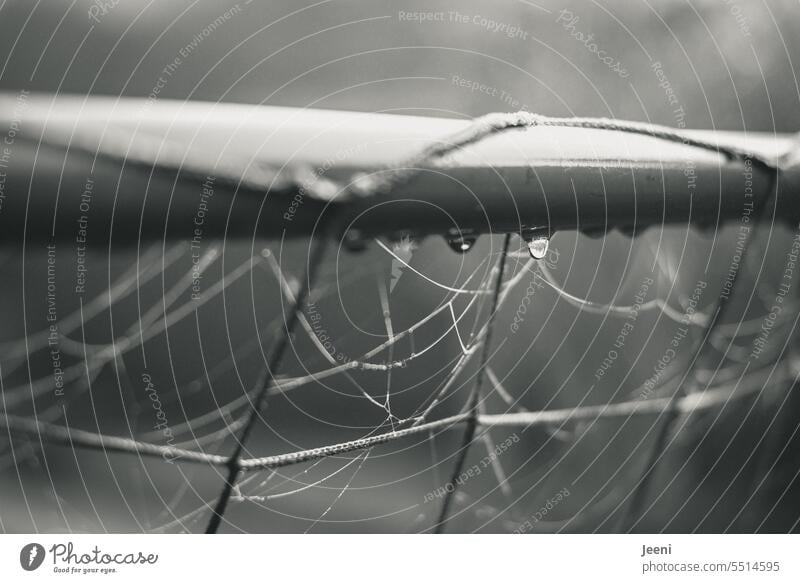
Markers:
153,169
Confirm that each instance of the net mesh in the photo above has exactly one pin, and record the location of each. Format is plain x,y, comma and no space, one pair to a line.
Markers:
416,366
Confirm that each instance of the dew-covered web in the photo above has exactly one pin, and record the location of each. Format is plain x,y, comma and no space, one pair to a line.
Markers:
318,389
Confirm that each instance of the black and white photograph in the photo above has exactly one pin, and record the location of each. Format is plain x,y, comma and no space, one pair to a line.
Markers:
400,268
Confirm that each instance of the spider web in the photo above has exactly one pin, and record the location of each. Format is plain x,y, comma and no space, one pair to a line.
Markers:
415,373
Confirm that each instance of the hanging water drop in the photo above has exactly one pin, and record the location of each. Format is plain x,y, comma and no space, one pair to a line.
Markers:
594,233
538,246
354,241
461,243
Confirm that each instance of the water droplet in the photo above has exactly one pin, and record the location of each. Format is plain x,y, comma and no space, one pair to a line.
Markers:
461,243
706,229
354,241
594,233
538,245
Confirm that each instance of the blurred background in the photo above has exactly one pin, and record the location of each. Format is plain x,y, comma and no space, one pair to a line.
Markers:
707,65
